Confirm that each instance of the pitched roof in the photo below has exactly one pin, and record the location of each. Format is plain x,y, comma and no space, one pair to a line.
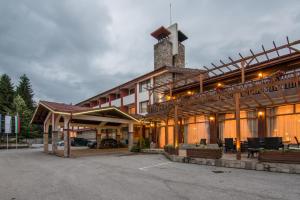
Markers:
45,107
62,107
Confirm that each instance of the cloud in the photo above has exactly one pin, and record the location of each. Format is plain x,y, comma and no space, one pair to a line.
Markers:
72,50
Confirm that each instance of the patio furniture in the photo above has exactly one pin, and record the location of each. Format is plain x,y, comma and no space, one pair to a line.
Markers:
273,143
203,141
254,145
244,146
229,145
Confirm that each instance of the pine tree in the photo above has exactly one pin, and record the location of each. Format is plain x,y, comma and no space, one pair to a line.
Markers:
25,91
6,94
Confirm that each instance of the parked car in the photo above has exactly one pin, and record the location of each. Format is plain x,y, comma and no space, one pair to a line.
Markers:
92,144
105,143
109,143
79,142
60,143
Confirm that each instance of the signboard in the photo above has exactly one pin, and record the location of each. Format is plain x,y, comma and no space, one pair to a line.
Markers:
7,124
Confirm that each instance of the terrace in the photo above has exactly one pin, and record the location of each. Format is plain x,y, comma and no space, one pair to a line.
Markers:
231,88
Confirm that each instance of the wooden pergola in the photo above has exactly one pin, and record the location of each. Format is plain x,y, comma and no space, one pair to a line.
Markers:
277,89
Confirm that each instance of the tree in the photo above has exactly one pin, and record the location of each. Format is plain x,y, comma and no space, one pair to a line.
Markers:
24,89
24,113
6,94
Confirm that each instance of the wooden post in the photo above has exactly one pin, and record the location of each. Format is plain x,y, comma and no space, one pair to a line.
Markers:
142,131
243,71
238,128
176,128
156,135
213,129
185,131
167,132
261,122
170,90
201,83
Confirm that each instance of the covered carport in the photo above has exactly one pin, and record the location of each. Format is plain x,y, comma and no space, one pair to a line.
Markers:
68,119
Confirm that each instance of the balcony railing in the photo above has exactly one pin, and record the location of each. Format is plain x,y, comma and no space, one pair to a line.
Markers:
128,99
116,102
105,105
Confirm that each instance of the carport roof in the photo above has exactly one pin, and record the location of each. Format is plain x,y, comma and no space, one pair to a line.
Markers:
44,107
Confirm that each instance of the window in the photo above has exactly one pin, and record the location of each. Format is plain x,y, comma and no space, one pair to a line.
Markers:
143,85
143,106
131,110
132,91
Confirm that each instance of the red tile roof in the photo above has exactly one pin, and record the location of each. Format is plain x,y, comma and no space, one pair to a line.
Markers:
62,107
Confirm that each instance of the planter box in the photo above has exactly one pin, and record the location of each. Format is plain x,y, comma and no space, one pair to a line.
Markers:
204,153
171,150
182,152
289,157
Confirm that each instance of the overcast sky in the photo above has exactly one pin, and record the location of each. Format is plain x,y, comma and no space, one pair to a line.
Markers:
74,49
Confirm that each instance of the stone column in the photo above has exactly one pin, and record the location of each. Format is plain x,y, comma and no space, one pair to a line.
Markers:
54,139
130,136
66,137
98,137
45,142
46,138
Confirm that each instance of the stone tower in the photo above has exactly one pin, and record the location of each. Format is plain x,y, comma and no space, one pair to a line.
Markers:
169,50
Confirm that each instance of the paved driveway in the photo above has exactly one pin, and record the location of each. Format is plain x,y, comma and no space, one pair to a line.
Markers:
30,174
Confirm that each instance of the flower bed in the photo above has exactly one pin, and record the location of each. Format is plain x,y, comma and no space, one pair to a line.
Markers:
289,156
204,153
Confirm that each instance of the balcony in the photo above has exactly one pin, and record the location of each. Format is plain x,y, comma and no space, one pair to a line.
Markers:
116,102
128,99
143,96
105,105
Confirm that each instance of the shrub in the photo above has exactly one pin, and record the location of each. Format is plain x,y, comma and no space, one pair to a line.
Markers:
135,149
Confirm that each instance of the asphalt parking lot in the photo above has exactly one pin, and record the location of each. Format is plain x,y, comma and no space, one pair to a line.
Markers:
30,174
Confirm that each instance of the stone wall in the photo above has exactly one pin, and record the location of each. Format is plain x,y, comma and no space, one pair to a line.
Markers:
179,59
239,164
163,54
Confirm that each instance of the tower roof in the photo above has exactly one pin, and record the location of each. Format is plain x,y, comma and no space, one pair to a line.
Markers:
181,36
160,33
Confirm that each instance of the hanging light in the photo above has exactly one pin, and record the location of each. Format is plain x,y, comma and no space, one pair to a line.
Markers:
260,113
260,75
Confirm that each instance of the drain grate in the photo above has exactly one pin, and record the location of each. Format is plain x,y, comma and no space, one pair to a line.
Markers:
218,172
